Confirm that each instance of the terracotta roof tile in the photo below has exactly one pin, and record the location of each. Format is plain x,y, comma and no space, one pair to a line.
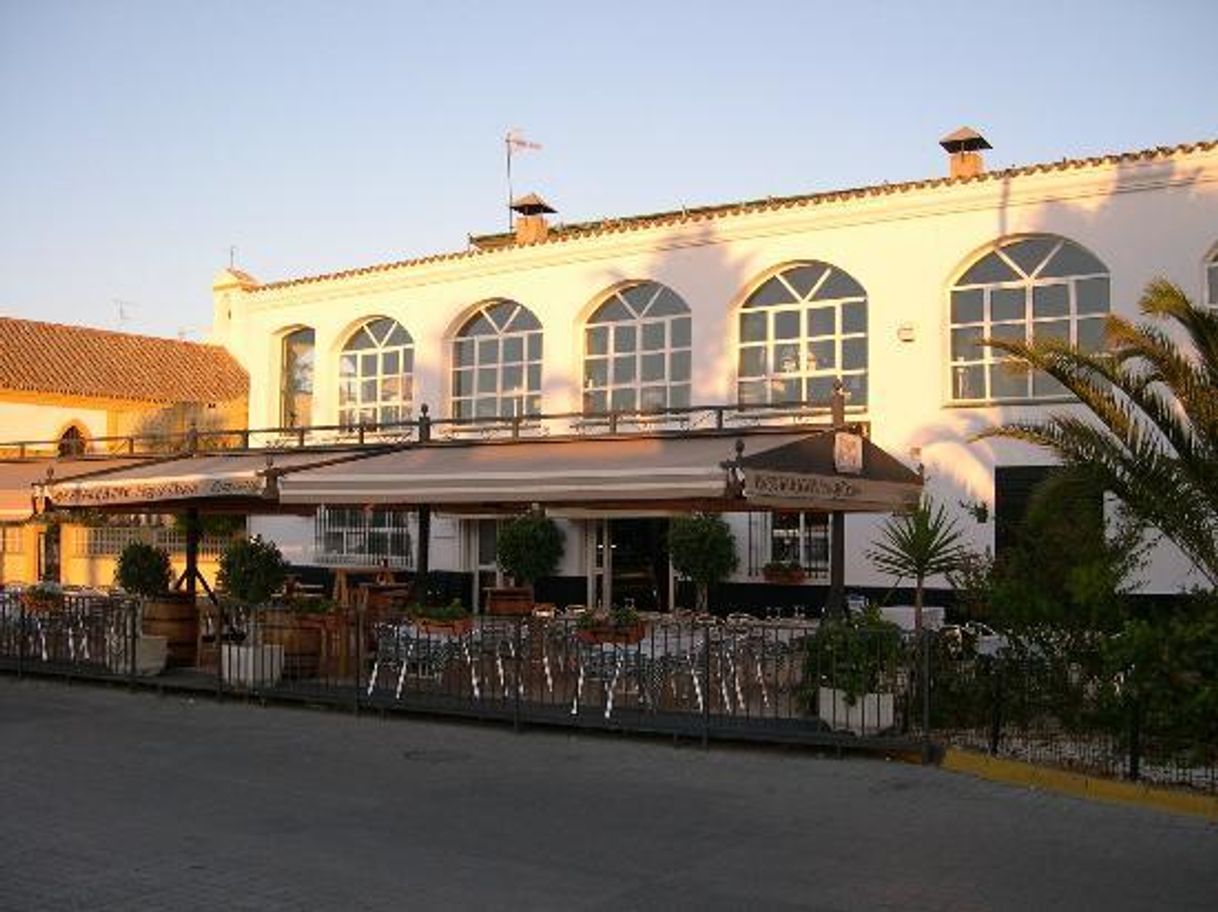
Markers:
79,361
497,243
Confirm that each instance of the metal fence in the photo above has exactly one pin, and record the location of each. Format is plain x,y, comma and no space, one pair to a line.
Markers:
742,678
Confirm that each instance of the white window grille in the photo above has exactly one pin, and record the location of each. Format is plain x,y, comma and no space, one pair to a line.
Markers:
637,351
800,332
1028,289
363,537
375,375
497,363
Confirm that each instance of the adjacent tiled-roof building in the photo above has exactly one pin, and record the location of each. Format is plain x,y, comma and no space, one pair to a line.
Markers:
52,358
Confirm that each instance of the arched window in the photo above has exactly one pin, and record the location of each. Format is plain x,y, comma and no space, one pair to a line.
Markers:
1039,287
497,363
296,379
72,442
636,351
799,332
374,375
1211,281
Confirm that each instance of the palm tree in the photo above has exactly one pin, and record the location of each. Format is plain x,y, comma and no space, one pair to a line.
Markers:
1152,434
922,543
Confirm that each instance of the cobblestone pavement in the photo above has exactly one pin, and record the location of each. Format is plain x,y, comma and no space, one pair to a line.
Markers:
119,801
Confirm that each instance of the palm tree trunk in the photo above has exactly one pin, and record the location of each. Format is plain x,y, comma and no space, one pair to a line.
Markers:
918,605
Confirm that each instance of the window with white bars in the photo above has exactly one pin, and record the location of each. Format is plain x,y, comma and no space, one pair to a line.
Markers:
109,541
637,351
375,371
11,540
357,536
1027,289
801,331
801,539
497,363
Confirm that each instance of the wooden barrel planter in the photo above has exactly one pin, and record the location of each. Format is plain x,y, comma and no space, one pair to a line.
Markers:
300,637
175,617
512,601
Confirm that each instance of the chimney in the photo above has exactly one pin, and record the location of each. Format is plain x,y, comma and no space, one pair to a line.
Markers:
531,224
964,148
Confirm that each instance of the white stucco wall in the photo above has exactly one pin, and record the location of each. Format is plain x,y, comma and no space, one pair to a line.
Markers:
1142,218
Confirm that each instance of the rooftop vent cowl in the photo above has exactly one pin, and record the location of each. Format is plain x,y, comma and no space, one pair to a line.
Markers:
964,152
531,224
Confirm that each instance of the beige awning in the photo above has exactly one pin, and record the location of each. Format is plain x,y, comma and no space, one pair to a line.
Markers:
18,477
690,471
230,480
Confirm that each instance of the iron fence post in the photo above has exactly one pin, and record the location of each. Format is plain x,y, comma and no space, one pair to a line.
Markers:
706,684
359,654
132,630
519,682
997,665
1135,739
218,638
926,745
22,633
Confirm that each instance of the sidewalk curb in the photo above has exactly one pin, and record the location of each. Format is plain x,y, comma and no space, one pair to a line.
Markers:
1016,772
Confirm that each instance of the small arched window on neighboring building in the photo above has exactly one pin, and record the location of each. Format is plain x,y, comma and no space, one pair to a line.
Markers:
296,379
375,372
72,442
1028,288
637,351
497,363
801,331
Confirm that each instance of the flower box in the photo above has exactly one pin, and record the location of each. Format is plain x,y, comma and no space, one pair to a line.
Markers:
608,633
867,714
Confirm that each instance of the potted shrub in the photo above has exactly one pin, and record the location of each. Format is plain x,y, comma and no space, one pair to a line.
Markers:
169,623
617,625
42,598
702,548
789,573
251,570
852,665
452,619
529,547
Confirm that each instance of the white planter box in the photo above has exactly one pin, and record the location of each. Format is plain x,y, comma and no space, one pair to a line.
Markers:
151,653
870,714
249,666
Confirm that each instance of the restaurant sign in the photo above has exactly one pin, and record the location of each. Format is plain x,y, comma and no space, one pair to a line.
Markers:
132,492
796,491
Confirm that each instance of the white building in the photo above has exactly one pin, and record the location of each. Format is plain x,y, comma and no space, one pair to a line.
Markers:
885,287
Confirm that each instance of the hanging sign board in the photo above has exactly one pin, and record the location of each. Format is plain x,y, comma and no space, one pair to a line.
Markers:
98,494
848,453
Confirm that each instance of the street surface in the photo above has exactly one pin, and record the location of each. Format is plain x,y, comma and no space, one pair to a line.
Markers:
119,801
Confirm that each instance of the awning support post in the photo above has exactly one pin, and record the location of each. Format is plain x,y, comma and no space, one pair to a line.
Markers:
192,549
423,562
837,522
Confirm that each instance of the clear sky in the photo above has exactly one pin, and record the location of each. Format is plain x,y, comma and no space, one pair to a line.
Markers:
141,138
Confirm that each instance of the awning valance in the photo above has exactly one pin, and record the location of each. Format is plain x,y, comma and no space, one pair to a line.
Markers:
691,471
18,477
211,480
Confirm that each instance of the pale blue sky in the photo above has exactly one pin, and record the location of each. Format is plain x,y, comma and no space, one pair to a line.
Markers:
140,139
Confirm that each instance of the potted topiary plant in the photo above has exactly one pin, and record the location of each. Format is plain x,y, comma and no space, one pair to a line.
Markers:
529,547
852,664
169,622
702,548
251,571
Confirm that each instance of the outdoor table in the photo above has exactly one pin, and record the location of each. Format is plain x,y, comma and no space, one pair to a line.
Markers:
343,575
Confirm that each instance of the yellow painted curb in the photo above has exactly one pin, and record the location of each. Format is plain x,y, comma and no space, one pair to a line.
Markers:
1016,772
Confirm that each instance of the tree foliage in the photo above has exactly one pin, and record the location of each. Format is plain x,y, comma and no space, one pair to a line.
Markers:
529,547
922,543
143,569
251,569
1151,435
702,548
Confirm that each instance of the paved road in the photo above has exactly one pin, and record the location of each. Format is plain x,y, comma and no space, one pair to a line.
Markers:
118,801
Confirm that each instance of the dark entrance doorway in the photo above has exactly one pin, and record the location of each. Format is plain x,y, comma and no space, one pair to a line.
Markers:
640,562
48,554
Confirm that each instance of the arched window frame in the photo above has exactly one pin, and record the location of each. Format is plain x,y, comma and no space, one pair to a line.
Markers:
1022,288
799,331
376,374
496,363
637,351
297,365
